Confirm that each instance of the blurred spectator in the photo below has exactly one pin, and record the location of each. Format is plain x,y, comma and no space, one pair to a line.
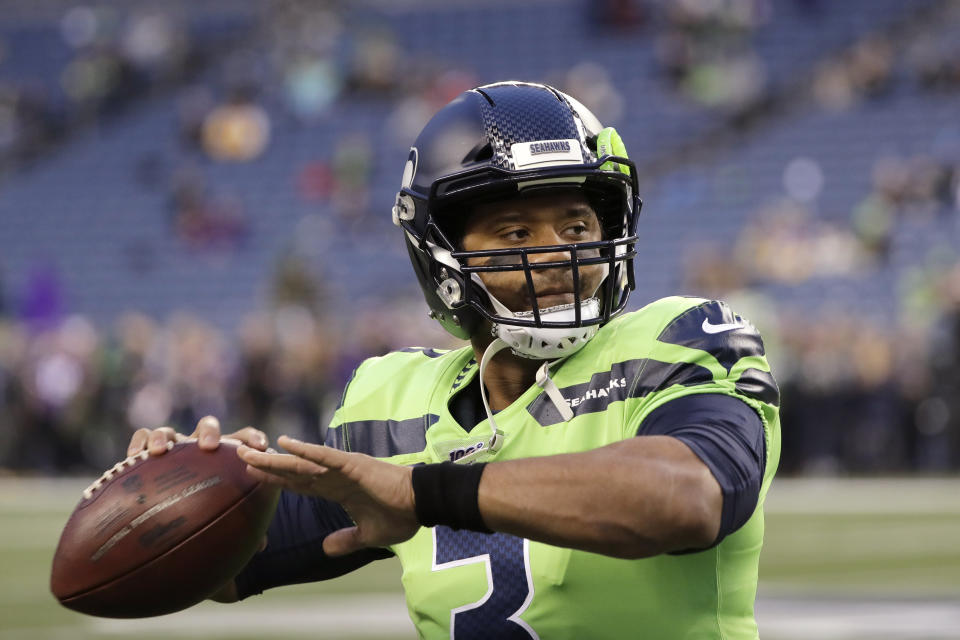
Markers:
201,219
295,285
29,124
873,221
71,396
784,243
920,188
238,130
864,71
315,181
620,15
100,80
427,90
832,87
376,63
593,83
3,296
117,55
934,57
157,44
352,172
709,271
870,64
312,84
42,301
706,52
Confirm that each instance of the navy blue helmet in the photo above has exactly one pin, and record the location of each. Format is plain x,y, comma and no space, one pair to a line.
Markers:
499,141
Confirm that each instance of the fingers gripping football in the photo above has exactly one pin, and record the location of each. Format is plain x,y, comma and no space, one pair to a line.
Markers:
207,434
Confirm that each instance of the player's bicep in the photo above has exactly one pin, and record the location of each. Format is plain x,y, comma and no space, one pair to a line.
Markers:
294,551
727,435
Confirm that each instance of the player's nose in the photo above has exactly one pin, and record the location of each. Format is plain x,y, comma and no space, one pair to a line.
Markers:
547,237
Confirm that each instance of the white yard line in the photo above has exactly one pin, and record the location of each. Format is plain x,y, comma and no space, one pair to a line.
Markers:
846,619
319,617
862,496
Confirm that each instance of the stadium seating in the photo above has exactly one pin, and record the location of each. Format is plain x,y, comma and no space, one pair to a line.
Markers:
99,209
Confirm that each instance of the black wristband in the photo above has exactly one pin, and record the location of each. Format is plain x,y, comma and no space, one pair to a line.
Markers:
447,494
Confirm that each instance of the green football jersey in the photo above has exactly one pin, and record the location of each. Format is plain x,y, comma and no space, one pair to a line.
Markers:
464,584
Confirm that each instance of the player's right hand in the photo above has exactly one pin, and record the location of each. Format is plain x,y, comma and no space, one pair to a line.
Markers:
207,434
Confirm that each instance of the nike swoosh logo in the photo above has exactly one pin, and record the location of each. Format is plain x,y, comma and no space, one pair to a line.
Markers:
709,327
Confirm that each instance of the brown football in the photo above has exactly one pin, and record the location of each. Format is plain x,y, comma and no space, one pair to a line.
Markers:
157,534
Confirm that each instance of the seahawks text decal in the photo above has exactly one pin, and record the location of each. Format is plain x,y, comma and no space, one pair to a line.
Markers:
614,385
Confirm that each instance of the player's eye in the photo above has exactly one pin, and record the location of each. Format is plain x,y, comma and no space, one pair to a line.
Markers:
515,235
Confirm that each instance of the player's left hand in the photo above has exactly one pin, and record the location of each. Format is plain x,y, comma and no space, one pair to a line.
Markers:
377,495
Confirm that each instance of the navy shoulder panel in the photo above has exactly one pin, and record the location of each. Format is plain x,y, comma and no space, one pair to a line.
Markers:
714,327
382,438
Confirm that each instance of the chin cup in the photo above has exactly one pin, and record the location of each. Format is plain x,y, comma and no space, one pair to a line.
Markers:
548,343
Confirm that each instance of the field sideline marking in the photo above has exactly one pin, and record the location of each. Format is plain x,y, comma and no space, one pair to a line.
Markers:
787,618
864,496
321,616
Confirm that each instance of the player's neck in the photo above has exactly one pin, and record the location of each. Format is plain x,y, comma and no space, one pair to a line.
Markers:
506,376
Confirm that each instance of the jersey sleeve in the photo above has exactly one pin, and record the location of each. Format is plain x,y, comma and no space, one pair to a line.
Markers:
703,347
294,551
727,435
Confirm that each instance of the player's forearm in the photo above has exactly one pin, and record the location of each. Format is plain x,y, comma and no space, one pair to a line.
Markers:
635,498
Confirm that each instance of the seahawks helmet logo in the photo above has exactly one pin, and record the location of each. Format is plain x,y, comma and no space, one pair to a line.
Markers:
410,169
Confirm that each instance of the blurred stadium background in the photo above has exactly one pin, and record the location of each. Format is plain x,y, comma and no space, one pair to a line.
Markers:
194,219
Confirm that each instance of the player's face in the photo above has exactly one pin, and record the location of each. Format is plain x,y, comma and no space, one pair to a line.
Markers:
559,218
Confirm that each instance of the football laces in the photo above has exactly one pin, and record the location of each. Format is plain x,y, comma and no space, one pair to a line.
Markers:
112,472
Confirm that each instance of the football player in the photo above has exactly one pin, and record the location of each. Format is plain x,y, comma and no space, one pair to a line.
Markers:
574,471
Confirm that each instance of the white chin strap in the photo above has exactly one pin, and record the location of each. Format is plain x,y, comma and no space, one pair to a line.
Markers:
550,344
544,381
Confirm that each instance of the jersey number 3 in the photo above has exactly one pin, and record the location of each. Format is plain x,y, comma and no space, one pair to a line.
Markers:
509,584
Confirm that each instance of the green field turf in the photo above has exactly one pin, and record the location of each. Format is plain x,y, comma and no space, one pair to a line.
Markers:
833,541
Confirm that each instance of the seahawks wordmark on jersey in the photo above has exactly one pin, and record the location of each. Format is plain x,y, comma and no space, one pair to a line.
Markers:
464,584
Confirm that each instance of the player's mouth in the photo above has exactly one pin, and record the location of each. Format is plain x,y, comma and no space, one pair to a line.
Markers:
554,299
553,296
